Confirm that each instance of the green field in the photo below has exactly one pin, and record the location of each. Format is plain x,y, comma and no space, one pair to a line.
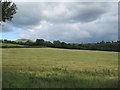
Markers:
10,45
59,68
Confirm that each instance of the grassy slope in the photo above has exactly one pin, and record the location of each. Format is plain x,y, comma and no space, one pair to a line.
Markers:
9,45
23,40
47,68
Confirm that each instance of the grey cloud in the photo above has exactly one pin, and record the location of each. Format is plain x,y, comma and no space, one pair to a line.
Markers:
27,15
57,32
69,22
78,32
75,12
30,14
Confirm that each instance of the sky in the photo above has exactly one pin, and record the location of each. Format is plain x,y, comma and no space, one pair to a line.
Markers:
72,22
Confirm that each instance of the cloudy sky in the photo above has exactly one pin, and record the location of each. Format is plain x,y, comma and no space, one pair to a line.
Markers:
74,22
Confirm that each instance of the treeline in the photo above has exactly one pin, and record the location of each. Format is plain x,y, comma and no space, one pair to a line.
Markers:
103,46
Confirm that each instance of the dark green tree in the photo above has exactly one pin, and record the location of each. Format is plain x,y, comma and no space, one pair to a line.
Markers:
57,43
64,45
7,10
48,44
40,42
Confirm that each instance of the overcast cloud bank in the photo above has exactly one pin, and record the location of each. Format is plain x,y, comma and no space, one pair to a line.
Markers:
69,22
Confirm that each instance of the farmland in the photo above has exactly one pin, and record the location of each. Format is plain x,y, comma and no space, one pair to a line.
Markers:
59,68
9,45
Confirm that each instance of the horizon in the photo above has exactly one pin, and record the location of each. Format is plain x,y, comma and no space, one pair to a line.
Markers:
59,40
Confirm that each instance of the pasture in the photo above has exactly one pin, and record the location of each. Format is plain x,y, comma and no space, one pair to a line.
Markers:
59,68
9,45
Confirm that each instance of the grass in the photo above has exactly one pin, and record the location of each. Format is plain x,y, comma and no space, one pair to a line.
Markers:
9,45
59,68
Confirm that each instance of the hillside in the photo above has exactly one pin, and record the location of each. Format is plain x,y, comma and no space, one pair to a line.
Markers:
23,40
9,45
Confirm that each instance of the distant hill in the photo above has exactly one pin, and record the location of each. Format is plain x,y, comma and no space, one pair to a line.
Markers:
23,40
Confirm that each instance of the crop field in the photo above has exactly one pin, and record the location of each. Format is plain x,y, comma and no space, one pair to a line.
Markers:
59,68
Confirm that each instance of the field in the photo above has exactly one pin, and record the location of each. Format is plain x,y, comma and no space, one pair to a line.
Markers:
8,45
59,68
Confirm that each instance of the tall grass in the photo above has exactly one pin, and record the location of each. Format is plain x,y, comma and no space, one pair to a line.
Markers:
59,68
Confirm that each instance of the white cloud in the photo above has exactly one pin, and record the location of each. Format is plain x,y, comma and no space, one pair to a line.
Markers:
69,22
66,0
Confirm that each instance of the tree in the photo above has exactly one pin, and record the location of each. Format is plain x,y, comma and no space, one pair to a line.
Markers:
40,42
8,9
64,45
30,43
102,42
57,43
48,44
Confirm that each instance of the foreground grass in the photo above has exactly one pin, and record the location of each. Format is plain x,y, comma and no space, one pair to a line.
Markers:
59,68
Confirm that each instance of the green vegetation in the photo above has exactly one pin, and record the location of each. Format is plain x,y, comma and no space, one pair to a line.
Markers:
23,40
59,68
10,45
8,10
101,46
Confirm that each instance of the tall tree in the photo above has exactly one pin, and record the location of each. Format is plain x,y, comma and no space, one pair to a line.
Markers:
7,10
57,43
40,42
